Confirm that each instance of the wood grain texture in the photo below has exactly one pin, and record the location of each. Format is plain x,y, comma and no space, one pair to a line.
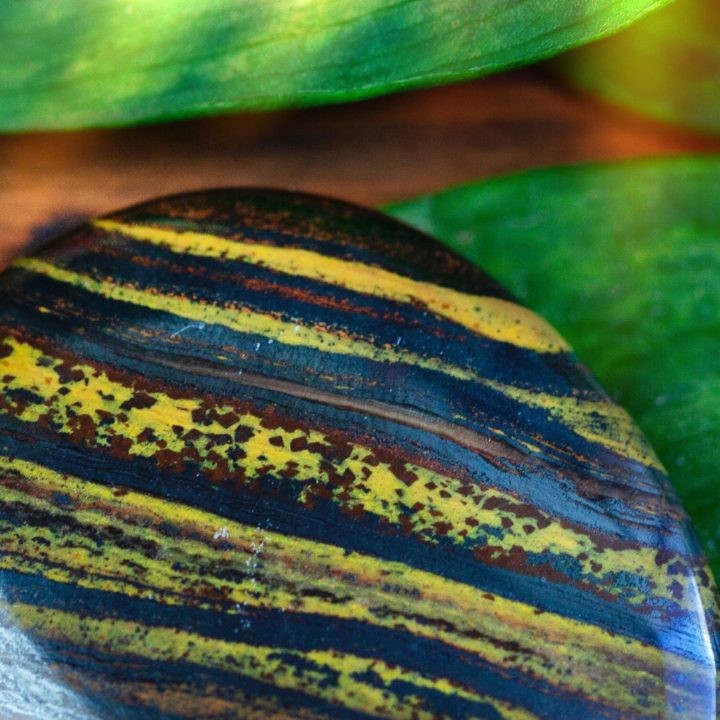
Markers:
373,152
273,456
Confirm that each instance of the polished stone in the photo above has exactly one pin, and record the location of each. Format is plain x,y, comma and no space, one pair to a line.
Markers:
266,455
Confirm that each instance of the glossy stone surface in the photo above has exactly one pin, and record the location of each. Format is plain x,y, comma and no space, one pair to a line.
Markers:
264,455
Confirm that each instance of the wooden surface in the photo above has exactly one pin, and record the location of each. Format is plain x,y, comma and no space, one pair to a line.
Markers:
370,152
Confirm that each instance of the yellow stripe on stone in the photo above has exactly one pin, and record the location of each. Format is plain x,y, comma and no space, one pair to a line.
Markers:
187,700
330,675
624,438
244,320
604,423
491,317
424,502
299,575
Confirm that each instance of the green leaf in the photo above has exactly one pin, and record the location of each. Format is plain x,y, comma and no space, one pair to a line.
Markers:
624,259
80,63
666,66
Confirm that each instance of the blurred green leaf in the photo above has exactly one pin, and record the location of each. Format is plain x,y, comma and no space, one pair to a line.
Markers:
80,63
666,66
624,259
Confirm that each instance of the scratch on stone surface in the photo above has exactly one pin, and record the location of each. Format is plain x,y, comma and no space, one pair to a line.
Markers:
198,326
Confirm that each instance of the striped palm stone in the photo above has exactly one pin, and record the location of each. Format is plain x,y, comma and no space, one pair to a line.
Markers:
265,455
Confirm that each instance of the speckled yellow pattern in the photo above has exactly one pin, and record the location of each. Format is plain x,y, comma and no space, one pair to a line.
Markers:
103,411
344,586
